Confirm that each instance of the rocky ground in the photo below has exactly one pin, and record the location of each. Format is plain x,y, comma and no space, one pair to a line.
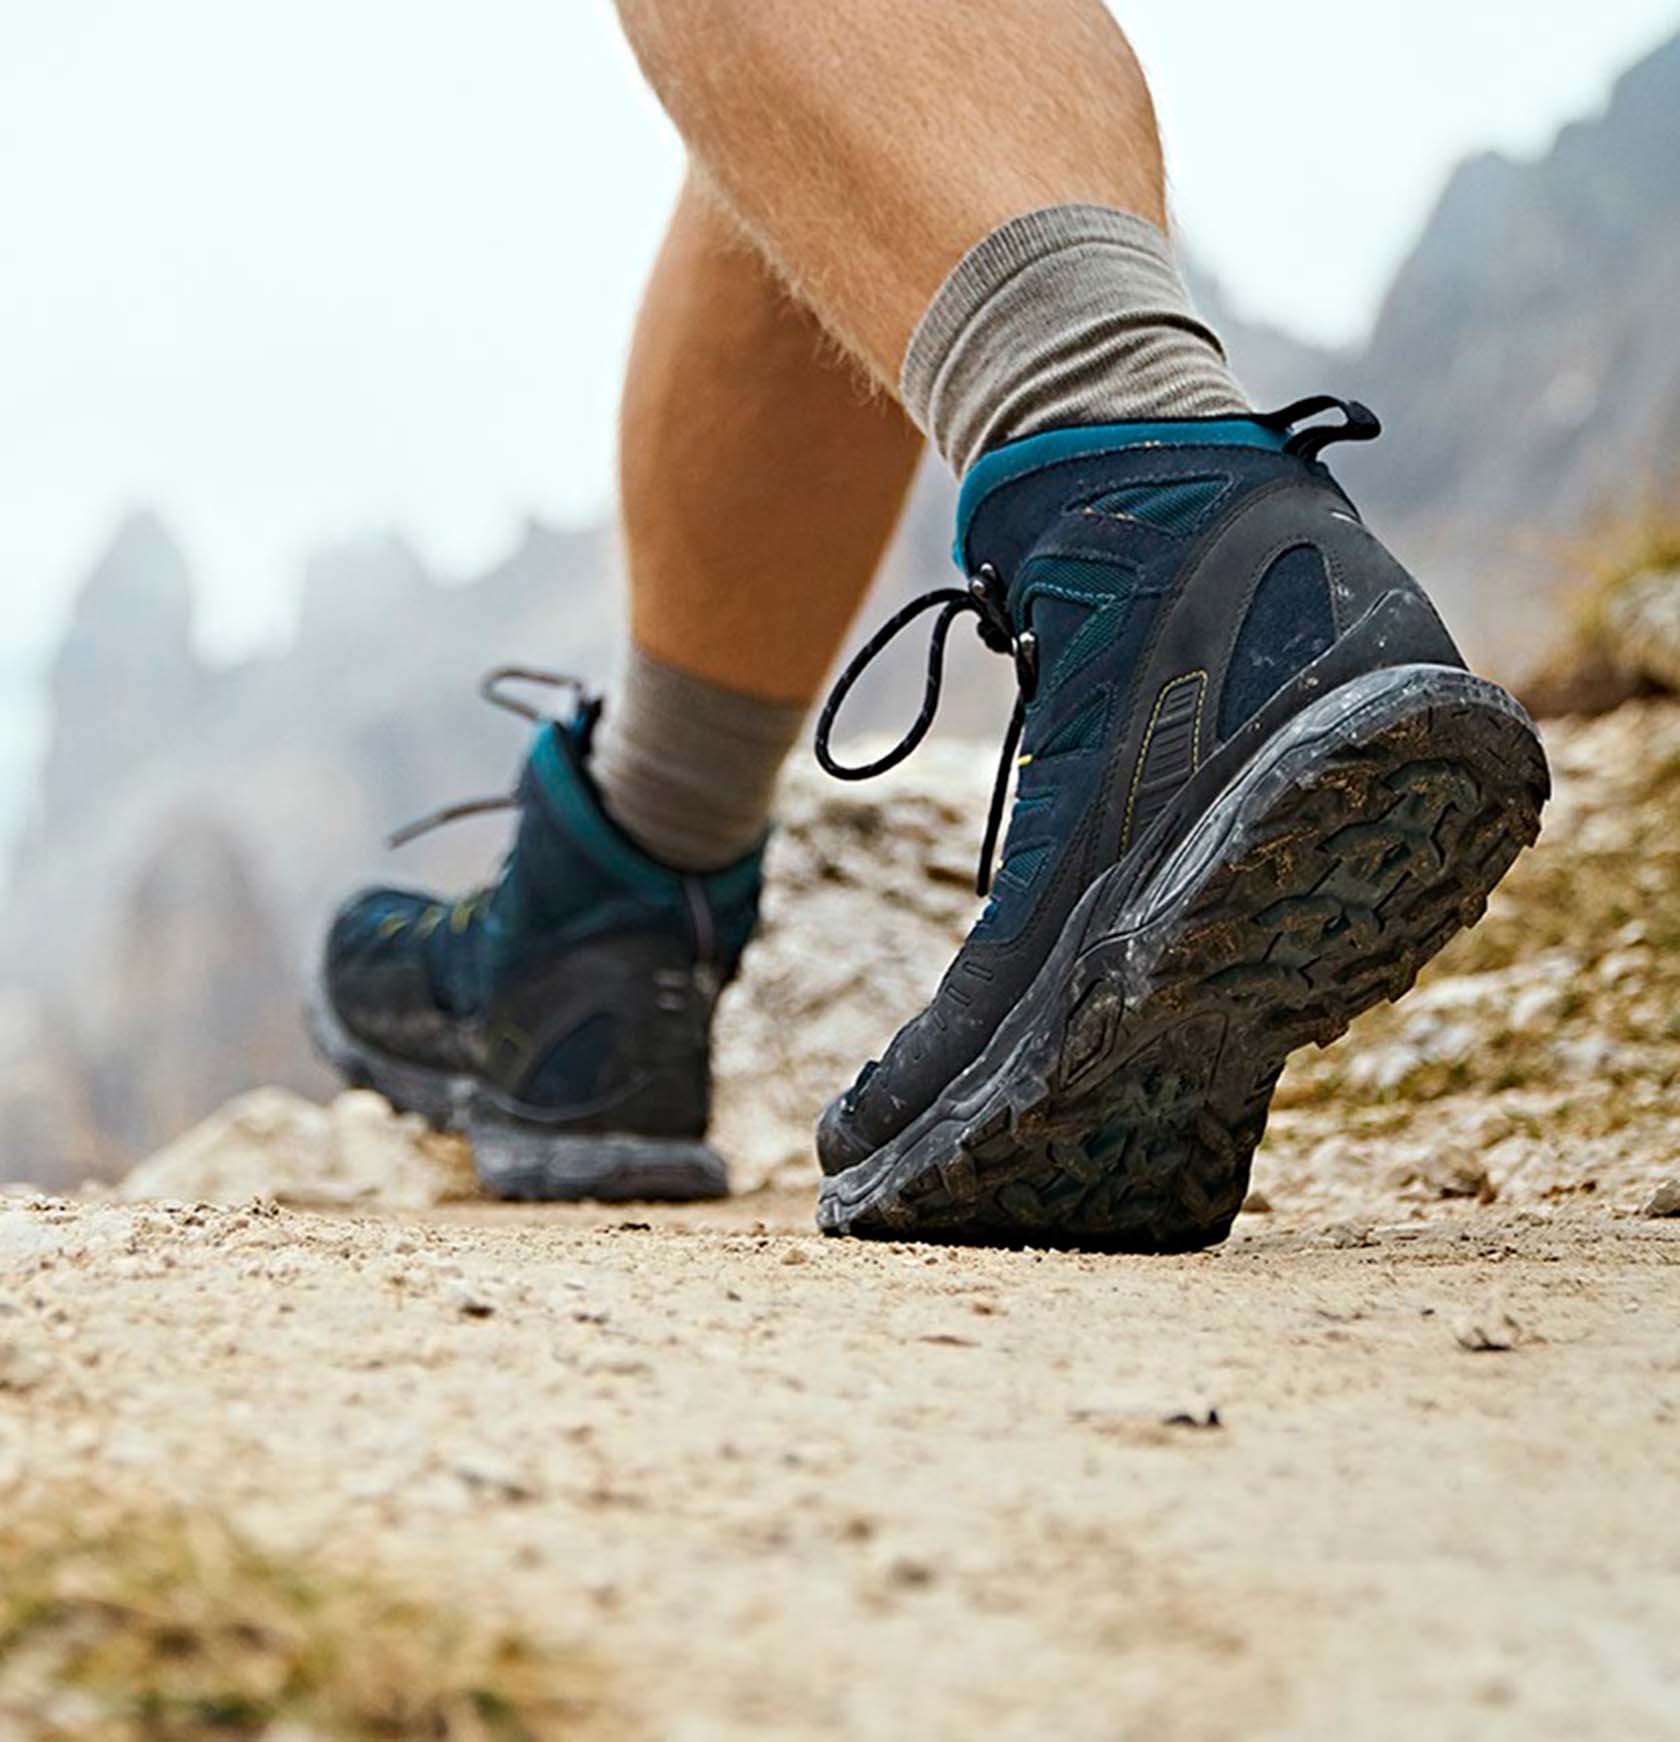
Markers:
1398,1461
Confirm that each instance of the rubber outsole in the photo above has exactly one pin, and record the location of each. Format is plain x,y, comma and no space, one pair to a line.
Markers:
518,1154
516,1159
439,1097
1120,1104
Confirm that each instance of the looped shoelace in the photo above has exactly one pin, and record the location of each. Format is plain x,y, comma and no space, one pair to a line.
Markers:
985,596
492,688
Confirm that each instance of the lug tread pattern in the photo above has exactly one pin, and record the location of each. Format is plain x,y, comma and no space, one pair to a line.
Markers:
1134,1123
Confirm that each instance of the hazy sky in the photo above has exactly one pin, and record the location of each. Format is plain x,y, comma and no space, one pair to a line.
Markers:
291,271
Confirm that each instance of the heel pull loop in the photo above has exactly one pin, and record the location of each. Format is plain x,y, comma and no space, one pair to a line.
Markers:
1360,424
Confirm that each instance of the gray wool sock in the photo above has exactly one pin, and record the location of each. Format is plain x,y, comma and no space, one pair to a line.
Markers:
687,768
1067,315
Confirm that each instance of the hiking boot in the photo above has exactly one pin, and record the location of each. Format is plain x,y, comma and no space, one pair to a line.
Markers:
1257,791
561,1016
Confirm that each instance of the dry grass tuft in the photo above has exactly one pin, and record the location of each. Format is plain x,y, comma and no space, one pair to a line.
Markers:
1583,674
1649,538
170,1627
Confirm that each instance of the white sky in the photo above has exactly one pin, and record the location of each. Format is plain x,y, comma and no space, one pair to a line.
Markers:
289,271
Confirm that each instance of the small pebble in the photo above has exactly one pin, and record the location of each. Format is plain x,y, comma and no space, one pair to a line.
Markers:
1487,1329
908,1573
488,1477
469,1302
1664,1201
1189,1418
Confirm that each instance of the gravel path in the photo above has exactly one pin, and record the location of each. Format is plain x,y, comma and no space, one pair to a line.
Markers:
784,1487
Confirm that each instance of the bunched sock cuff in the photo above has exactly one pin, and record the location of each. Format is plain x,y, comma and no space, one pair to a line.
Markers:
1064,316
687,768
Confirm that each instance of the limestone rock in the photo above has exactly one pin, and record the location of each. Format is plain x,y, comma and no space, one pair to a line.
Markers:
870,893
270,1143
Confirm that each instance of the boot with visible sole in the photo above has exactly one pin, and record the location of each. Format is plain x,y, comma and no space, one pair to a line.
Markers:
1258,791
560,1017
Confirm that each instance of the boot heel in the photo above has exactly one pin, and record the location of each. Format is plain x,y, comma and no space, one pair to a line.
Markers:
521,1157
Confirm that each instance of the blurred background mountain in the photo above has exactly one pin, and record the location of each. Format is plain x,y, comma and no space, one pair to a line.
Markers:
192,822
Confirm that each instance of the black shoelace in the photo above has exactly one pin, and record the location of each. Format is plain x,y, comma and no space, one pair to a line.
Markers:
492,688
986,596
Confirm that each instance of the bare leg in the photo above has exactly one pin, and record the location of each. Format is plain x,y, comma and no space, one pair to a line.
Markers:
924,126
760,478
761,475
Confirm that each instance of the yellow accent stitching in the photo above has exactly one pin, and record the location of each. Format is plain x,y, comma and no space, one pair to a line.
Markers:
1198,677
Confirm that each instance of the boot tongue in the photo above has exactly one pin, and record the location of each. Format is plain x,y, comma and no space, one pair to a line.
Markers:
580,728
557,767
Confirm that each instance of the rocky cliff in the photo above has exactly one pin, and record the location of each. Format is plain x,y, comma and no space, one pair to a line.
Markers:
1525,362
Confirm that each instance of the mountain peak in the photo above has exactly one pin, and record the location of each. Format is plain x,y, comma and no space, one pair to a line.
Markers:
141,572
125,674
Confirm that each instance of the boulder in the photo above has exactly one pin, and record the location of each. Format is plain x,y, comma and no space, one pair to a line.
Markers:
274,1144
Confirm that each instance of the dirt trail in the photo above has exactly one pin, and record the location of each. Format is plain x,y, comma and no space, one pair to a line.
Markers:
776,1487
786,1488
